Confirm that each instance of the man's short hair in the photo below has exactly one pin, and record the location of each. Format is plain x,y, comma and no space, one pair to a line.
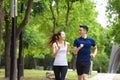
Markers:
84,27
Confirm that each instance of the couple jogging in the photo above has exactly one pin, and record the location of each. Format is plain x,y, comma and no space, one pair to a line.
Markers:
82,48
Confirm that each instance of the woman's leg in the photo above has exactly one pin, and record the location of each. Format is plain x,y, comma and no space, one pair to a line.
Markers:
56,72
63,72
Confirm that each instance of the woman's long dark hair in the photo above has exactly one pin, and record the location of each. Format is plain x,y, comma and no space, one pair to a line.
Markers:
55,37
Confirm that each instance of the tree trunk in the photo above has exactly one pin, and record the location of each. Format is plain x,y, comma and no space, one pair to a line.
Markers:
7,46
72,63
53,16
15,69
19,30
8,40
67,14
20,59
26,18
1,18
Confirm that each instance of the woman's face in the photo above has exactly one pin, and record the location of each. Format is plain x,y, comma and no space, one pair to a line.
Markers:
62,35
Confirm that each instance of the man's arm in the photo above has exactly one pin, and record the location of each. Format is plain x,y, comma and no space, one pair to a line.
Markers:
68,45
95,52
76,49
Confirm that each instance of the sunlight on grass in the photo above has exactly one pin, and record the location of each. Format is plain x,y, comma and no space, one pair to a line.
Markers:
41,74
34,73
72,75
2,73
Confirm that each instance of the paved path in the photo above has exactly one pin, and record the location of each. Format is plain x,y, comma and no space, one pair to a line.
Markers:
106,76
117,77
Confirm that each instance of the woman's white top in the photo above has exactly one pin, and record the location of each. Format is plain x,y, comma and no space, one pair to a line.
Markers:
61,57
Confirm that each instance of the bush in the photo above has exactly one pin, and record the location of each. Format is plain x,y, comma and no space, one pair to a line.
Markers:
101,63
29,62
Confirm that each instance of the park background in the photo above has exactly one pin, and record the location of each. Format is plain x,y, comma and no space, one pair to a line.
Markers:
39,19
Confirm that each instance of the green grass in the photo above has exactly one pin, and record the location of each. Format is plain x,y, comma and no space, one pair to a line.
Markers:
42,74
2,73
31,74
34,73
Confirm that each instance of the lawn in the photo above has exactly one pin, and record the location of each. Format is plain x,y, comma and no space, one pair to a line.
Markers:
32,74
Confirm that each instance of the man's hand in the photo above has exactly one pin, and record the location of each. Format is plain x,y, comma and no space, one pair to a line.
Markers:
76,49
92,55
95,52
81,45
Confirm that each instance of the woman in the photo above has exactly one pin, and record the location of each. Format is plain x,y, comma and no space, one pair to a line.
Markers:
60,51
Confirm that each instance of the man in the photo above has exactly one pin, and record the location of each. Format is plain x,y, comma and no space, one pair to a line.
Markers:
82,47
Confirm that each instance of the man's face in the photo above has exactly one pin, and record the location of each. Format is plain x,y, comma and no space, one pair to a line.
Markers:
82,31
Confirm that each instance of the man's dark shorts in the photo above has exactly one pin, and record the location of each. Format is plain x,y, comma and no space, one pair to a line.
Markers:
83,67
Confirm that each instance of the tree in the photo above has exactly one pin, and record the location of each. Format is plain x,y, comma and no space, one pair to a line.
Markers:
68,15
114,19
18,31
42,22
113,13
102,62
1,18
7,45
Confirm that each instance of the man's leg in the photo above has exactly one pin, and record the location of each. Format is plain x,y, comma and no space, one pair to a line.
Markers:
79,68
86,70
85,77
80,77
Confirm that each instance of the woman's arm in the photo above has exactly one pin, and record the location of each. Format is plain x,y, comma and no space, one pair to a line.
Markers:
55,52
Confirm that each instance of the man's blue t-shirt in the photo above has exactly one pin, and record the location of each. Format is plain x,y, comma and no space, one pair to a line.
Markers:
84,53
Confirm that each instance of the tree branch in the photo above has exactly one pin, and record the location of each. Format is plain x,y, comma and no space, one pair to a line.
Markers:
67,14
26,18
53,16
57,8
68,11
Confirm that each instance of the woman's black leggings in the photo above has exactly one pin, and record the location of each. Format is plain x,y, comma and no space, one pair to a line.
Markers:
60,72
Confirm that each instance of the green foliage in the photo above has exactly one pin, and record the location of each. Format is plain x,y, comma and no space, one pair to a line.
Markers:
118,71
38,7
101,62
114,6
29,62
28,39
39,28
113,9
115,33
75,0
